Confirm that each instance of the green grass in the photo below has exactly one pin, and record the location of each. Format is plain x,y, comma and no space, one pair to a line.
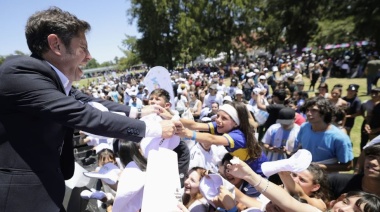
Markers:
355,131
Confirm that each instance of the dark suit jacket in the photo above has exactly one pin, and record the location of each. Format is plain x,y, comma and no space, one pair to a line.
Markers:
36,128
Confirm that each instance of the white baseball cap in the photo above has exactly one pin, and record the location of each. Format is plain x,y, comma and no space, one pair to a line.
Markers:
262,77
251,74
109,173
238,91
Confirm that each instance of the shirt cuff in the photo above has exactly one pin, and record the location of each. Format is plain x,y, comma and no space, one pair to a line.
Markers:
153,129
133,113
176,117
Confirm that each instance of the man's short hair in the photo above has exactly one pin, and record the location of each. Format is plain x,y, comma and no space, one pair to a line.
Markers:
326,109
215,103
280,93
52,21
161,93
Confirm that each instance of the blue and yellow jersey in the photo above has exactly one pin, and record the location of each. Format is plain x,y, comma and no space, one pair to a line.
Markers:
237,145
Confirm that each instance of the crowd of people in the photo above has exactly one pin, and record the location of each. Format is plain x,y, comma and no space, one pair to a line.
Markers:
261,115
257,142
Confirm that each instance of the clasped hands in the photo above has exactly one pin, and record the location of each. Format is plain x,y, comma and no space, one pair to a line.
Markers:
169,127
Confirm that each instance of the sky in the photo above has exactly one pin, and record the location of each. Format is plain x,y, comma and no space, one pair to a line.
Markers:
108,20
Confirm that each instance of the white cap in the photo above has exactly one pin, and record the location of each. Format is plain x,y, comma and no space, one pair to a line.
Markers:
227,98
238,91
109,173
274,68
251,74
256,70
262,77
256,90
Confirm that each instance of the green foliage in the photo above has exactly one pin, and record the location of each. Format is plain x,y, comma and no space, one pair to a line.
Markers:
156,21
367,20
92,64
2,58
338,31
179,31
131,53
18,52
107,63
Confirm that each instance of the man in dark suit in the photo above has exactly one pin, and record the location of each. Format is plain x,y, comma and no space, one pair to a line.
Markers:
39,110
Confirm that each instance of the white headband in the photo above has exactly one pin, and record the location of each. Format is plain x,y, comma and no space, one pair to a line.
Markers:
230,110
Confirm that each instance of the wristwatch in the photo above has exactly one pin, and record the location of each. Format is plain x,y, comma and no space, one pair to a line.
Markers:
138,113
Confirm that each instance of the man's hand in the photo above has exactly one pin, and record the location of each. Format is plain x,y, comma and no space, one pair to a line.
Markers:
168,128
164,113
150,109
181,131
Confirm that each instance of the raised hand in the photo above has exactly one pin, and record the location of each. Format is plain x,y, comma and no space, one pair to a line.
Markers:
239,169
168,128
150,109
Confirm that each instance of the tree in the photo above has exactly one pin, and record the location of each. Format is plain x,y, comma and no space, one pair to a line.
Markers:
367,20
338,31
2,59
131,53
156,21
18,52
270,33
92,64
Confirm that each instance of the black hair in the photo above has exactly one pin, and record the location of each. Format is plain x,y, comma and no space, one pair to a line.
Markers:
337,88
371,201
106,154
161,93
303,94
290,101
325,86
227,157
280,93
52,21
339,114
130,151
215,103
326,109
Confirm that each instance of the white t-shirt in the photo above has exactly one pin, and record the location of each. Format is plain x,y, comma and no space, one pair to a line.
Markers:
221,89
180,104
208,100
206,159
275,136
